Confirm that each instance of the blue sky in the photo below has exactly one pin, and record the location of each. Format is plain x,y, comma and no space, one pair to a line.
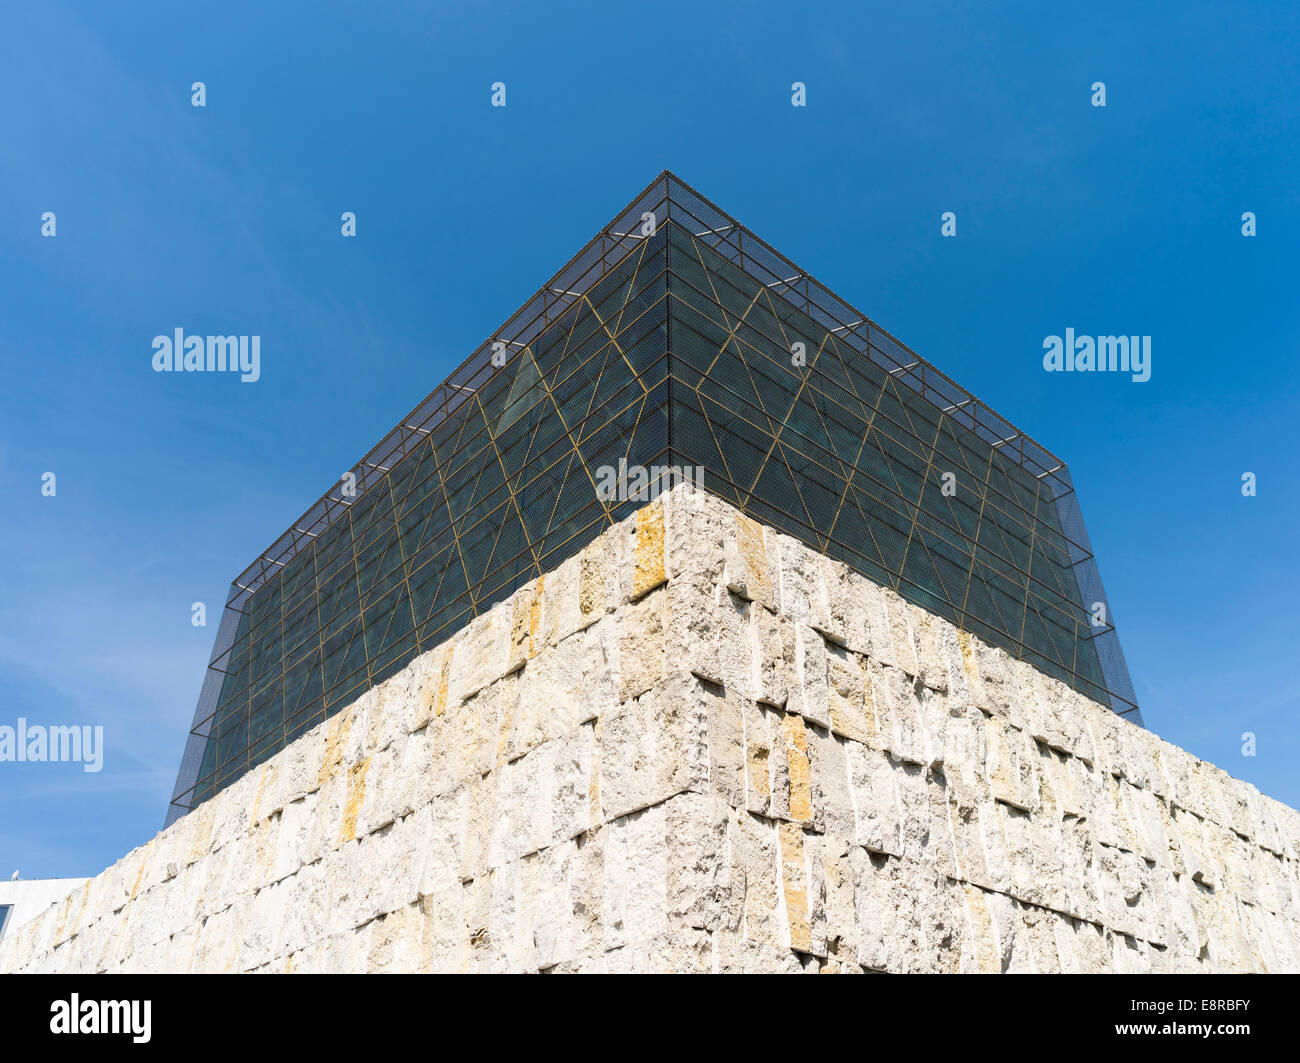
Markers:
225,219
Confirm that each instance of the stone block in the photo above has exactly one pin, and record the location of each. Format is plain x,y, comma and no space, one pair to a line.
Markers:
701,746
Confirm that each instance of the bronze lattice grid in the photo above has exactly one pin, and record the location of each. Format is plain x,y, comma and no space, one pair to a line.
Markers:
671,348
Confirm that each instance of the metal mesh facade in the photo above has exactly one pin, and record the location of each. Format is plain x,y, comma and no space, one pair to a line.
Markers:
664,347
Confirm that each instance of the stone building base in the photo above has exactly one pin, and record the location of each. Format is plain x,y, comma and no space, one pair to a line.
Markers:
701,746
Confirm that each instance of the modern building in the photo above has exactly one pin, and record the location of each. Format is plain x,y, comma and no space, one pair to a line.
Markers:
676,339
22,900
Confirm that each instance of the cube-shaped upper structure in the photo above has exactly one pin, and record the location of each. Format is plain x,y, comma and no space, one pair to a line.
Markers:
675,338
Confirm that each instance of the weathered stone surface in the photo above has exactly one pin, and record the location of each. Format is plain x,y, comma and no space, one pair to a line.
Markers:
700,746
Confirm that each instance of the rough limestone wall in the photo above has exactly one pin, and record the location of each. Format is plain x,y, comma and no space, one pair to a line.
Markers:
699,745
